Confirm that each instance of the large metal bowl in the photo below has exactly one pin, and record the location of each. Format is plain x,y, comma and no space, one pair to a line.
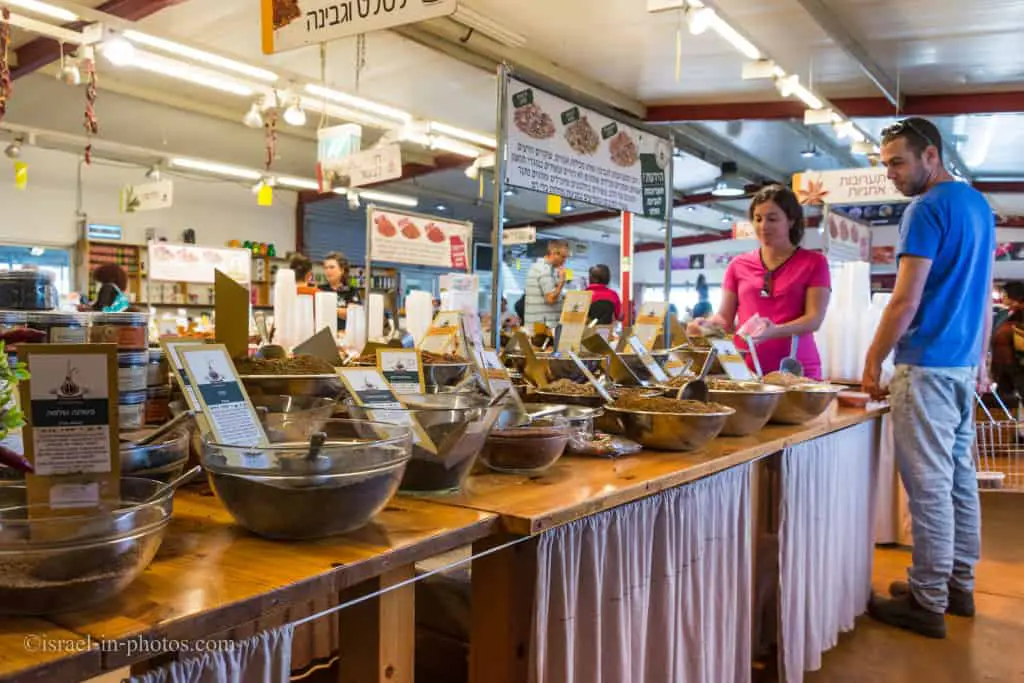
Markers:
753,402
671,431
319,386
279,491
439,376
56,564
560,365
804,402
293,418
636,364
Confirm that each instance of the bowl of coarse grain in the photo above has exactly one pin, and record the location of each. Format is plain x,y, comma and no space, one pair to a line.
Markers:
754,403
805,399
669,424
52,563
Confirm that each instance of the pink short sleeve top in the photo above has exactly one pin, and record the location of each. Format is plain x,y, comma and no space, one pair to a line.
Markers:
781,297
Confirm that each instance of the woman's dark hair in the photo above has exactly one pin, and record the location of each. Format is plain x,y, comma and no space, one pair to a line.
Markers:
600,274
339,257
785,199
111,273
1014,290
301,265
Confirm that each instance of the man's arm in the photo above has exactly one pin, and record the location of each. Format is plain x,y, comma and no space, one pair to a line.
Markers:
551,288
906,299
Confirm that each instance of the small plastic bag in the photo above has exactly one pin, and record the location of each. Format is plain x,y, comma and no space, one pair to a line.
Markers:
601,445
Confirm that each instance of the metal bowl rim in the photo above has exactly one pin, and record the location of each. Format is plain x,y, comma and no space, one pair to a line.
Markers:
727,413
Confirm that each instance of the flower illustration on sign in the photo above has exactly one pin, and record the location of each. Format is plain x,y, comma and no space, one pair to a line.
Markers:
813,193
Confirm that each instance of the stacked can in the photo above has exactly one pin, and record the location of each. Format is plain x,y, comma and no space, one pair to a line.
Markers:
158,387
130,332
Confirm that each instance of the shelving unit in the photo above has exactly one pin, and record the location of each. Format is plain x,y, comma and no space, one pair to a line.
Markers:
128,256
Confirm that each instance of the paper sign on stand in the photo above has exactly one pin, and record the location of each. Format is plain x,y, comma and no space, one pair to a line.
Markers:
731,360
650,322
403,370
648,360
231,417
496,377
443,336
404,237
71,434
574,320
231,306
170,346
370,389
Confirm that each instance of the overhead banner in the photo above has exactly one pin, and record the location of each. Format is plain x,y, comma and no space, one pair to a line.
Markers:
190,263
287,24
560,148
147,197
846,186
400,237
846,239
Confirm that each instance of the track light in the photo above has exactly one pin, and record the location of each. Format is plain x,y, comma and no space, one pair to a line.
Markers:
810,152
254,117
353,199
69,72
729,183
13,150
118,50
294,114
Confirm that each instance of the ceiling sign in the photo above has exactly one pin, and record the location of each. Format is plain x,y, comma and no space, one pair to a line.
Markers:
511,236
147,197
367,167
288,24
847,186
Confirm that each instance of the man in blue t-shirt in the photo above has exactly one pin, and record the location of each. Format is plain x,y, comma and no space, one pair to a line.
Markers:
939,321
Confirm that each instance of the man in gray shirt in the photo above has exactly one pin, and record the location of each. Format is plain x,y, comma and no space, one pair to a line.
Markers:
544,284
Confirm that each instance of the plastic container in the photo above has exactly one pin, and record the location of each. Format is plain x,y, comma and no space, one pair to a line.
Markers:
131,371
130,331
158,405
27,290
61,328
157,369
131,410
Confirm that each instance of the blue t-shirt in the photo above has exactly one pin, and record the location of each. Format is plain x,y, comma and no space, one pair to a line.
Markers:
952,225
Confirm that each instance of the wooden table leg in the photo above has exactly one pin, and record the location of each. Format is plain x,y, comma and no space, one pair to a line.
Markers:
378,636
502,611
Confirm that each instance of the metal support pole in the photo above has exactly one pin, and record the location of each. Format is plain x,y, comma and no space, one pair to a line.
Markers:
497,242
369,274
669,211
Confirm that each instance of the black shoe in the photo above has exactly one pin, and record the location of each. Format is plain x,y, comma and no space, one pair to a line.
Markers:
961,602
905,612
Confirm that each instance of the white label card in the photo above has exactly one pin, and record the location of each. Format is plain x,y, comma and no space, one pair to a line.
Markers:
731,360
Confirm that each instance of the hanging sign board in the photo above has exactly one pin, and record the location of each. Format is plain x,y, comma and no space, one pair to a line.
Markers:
147,197
400,237
197,265
846,239
847,186
359,168
287,24
560,148
513,236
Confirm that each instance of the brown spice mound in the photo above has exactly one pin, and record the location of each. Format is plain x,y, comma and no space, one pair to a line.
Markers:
784,379
299,365
570,388
726,385
667,405
676,382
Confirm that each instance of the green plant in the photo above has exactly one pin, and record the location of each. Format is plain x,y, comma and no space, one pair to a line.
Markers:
11,416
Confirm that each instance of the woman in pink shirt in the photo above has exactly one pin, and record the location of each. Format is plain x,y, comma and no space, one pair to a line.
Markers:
787,285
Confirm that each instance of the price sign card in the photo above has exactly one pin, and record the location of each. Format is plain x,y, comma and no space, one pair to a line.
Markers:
496,376
676,365
648,360
230,415
443,336
71,430
650,322
403,370
575,309
370,389
170,346
731,360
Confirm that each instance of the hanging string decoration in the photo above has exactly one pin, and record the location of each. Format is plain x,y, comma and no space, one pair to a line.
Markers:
270,138
6,83
91,123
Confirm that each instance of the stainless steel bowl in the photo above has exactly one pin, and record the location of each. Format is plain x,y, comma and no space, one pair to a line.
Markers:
440,376
636,364
320,386
293,418
671,431
804,402
283,491
56,564
753,402
560,365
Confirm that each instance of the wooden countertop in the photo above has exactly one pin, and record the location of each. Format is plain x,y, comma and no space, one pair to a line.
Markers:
576,487
211,575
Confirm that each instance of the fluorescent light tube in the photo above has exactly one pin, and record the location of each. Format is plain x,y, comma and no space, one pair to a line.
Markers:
215,168
454,146
346,114
386,197
358,103
197,55
43,9
173,68
732,36
297,183
460,134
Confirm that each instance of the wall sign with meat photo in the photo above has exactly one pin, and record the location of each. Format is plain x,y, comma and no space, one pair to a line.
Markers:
398,237
285,12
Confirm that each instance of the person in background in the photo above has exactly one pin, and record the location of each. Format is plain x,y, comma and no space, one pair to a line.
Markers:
336,270
703,307
520,308
1007,367
786,286
113,282
605,305
938,320
509,319
545,283
303,268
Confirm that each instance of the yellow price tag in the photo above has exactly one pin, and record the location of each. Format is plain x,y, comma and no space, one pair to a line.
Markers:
265,195
20,175
554,204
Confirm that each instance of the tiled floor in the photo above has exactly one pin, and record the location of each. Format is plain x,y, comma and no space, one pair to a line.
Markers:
988,648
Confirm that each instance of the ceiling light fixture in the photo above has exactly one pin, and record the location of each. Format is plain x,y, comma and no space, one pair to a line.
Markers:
810,152
69,72
566,208
294,114
215,168
37,251
729,184
726,219
510,191
254,117
153,173
173,68
297,183
389,198
460,134
440,207
446,144
349,115
43,9
473,19
197,55
791,86
13,150
700,19
359,103
118,50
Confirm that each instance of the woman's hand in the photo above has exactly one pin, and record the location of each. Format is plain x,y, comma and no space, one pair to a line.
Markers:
769,330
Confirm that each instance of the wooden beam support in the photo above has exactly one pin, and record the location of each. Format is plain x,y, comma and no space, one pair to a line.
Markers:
378,636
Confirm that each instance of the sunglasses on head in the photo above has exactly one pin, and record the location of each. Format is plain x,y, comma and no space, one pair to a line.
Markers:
901,127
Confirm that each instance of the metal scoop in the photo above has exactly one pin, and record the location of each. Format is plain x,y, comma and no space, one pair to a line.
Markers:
697,389
790,364
174,484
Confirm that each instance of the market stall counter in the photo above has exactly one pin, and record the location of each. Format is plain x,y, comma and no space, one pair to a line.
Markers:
214,580
644,567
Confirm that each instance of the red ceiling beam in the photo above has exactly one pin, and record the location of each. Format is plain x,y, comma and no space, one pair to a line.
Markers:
683,242
865,107
999,186
39,52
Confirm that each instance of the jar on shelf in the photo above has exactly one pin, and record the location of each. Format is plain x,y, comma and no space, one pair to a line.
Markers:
132,370
130,331
132,410
61,328
158,401
157,369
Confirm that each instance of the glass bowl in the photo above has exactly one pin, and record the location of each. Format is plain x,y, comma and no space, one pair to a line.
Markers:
529,448
290,490
54,564
292,418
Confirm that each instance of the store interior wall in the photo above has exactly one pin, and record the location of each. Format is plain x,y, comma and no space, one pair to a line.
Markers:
219,211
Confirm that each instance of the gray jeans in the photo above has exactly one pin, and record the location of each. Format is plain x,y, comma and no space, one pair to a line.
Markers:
933,429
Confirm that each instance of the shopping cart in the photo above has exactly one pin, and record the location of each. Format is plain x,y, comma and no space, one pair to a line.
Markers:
999,450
